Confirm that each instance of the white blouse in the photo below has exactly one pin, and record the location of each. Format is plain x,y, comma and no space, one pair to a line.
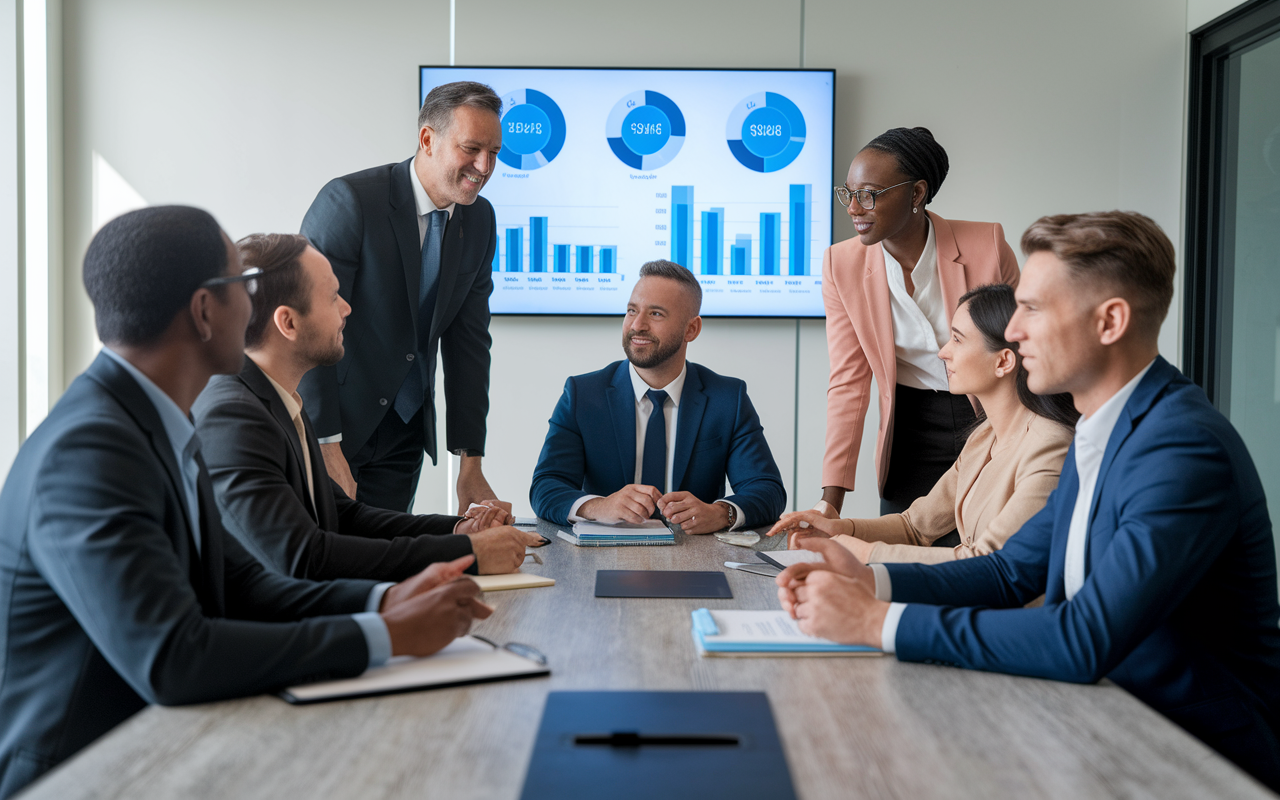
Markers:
920,319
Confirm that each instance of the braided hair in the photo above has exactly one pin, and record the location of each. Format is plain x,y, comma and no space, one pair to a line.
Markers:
919,156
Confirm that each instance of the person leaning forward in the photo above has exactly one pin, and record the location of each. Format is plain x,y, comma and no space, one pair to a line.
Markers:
265,461
118,585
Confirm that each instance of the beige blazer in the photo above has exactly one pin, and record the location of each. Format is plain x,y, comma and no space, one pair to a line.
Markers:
992,489
855,292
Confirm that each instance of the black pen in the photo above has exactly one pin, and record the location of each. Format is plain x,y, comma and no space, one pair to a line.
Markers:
769,560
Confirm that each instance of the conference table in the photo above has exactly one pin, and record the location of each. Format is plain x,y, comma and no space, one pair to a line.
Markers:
851,727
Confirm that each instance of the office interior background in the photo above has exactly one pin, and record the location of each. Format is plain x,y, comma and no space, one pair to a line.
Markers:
248,108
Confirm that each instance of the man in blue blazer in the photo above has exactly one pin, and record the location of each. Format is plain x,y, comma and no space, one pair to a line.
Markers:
1155,554
656,432
118,585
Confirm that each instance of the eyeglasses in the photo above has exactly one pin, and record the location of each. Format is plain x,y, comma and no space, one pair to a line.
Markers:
865,197
249,277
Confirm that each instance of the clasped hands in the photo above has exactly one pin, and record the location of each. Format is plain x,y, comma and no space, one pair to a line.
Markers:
636,503
833,599
499,548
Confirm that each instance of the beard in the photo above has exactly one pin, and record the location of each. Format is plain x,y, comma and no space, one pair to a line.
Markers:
322,352
658,354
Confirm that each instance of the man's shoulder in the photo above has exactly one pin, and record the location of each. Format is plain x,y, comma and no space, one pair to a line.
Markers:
714,382
595,381
371,177
221,391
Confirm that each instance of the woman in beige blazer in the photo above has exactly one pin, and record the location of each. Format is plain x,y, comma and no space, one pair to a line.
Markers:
1006,470
889,294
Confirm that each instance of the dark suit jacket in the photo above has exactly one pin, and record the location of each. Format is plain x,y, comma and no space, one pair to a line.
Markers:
1179,600
591,446
105,605
255,460
366,223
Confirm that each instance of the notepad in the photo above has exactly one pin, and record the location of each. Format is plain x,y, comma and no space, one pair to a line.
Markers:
467,660
600,534
514,580
762,634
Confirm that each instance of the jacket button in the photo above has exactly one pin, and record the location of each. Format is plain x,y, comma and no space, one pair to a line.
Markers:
409,357
382,401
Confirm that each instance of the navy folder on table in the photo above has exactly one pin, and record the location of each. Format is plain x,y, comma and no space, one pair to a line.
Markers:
669,745
661,583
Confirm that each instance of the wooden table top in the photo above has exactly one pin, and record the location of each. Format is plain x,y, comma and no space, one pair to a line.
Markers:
852,727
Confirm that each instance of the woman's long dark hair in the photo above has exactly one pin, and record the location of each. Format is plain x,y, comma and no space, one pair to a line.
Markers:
991,307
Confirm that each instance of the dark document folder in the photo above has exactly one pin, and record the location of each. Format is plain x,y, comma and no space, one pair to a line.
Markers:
669,745
661,583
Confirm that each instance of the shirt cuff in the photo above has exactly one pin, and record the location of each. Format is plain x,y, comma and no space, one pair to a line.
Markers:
334,439
376,637
577,504
738,518
374,603
889,633
884,586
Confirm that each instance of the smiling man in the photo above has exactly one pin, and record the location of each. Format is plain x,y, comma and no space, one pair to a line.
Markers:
656,432
411,244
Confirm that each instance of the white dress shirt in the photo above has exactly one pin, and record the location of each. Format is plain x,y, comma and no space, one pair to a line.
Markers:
670,414
1092,435
424,207
919,319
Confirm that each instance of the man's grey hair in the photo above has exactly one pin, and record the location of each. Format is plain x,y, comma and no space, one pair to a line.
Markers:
673,271
437,110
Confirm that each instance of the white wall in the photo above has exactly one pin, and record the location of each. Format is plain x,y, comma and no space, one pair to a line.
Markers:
248,108
10,247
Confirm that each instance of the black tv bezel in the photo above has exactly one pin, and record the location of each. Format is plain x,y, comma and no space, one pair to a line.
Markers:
831,232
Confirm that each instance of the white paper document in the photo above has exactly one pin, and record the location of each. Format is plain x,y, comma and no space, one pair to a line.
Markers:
788,557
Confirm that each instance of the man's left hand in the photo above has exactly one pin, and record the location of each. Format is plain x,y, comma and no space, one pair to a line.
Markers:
831,606
691,514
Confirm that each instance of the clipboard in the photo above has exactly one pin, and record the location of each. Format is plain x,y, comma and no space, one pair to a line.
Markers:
466,660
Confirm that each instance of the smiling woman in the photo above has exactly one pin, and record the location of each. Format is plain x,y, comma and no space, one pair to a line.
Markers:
889,295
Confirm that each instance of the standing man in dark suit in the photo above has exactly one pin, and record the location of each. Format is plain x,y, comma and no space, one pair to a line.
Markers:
265,462
412,245
657,432
118,585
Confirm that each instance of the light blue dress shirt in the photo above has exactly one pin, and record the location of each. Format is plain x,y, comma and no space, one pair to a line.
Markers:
182,438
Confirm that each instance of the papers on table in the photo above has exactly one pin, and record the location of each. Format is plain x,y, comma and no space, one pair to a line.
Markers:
762,633
788,557
514,580
600,534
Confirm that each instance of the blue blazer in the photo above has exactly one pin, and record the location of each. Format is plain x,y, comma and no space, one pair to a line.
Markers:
718,435
1179,600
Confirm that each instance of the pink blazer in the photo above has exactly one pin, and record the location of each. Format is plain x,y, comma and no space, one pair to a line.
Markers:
855,291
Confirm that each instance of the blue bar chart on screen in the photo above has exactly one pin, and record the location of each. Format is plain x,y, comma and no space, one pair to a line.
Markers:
602,170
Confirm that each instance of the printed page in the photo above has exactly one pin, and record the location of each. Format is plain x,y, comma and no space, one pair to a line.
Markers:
759,627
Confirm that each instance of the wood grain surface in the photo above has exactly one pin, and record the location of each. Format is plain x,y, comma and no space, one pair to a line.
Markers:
856,728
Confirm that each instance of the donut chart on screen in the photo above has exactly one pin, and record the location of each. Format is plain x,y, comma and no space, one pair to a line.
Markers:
645,130
766,132
533,130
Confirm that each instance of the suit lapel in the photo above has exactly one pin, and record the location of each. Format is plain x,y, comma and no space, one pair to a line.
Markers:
1065,497
622,412
404,221
693,403
450,263
325,510
951,271
260,385
876,297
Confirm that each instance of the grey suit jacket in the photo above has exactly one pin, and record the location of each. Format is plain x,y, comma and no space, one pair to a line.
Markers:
105,605
259,476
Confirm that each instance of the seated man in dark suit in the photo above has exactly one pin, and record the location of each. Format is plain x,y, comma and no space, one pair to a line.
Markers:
118,585
655,432
1155,553
267,469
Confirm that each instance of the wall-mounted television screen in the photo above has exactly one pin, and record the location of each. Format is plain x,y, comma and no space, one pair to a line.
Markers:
725,172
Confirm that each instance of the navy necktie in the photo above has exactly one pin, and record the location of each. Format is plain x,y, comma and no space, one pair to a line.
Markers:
653,467
409,398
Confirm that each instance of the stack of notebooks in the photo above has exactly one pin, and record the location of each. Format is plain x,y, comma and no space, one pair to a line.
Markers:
599,534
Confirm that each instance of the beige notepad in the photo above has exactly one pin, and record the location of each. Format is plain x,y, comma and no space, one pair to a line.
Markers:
514,580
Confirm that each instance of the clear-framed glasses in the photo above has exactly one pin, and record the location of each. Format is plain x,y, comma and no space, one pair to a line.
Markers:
249,278
865,197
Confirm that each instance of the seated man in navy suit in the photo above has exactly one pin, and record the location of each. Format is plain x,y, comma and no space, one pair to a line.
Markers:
656,432
1155,553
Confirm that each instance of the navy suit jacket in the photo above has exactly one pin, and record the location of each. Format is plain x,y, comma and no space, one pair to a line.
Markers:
591,446
105,605
1179,601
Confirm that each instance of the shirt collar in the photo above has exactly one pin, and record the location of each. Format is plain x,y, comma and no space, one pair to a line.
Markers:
672,389
1095,430
177,426
420,198
925,267
292,400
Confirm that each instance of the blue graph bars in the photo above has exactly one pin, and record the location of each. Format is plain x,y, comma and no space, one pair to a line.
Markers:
801,205
609,259
770,244
515,249
561,257
537,244
713,242
584,258
682,226
509,254
740,260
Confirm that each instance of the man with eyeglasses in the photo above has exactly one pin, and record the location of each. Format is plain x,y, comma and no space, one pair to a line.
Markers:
118,585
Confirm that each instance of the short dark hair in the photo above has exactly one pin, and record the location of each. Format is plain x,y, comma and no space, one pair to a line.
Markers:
1124,251
283,282
991,307
437,110
142,267
918,154
673,271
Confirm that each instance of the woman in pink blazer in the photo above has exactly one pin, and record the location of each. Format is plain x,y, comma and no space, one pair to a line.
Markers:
889,295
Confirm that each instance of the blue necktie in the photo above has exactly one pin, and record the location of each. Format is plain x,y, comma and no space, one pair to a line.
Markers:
653,467
409,398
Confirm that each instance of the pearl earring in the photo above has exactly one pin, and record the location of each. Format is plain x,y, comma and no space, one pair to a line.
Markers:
915,210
